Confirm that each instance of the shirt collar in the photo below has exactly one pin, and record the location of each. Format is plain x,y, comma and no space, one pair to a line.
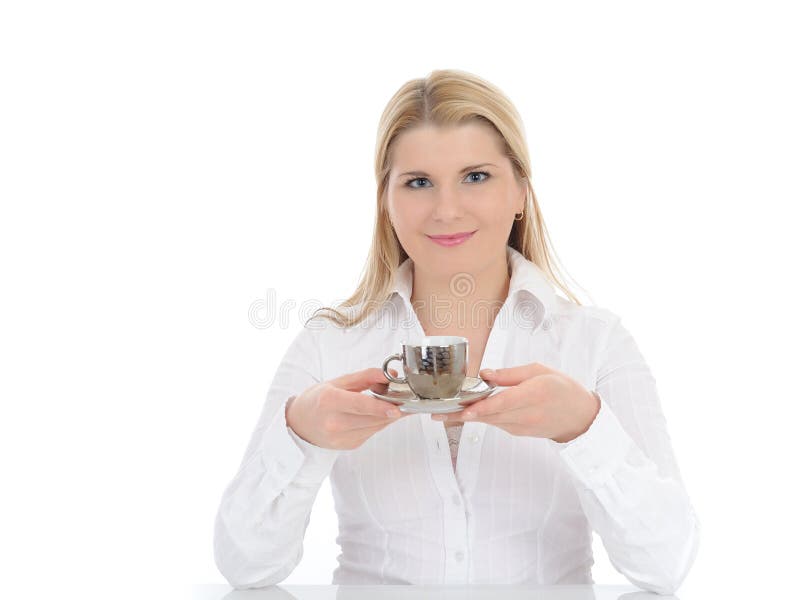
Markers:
525,276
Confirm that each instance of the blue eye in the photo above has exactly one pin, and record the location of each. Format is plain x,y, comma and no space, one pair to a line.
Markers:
414,187
480,173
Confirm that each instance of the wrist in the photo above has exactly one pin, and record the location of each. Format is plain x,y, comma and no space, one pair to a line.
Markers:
593,402
286,410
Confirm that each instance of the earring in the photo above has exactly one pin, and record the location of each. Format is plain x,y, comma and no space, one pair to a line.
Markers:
520,216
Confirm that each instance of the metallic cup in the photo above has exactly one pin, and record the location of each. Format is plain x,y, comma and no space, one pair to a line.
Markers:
434,367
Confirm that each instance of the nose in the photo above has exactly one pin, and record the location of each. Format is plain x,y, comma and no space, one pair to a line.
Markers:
447,205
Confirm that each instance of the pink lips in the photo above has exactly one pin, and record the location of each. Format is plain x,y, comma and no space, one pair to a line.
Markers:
452,239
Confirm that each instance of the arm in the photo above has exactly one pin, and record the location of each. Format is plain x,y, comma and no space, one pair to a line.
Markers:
626,475
265,509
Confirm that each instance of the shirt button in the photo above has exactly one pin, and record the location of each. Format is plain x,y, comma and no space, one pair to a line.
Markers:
547,324
473,438
459,556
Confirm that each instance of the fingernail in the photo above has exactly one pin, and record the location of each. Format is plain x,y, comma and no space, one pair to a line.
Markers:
392,413
468,415
487,373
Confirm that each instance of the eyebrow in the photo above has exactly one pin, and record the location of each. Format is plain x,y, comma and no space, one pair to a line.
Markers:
464,170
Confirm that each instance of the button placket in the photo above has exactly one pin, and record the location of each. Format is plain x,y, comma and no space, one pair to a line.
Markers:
455,517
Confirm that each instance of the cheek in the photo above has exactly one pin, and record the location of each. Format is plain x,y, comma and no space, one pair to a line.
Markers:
405,213
492,206
491,215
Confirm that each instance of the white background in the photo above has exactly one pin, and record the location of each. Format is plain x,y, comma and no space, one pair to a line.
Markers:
166,166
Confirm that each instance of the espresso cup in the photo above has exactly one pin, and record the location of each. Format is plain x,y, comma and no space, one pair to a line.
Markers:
434,366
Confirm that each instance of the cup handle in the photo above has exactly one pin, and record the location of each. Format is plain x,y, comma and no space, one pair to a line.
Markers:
389,376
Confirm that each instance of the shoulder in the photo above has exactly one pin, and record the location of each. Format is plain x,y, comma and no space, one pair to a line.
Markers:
600,335
333,334
606,333
344,349
599,318
325,319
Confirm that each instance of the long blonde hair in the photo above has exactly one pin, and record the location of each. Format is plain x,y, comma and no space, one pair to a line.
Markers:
445,97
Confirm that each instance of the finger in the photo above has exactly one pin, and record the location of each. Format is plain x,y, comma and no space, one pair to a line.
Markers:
352,421
515,375
358,403
459,415
508,417
368,432
453,416
360,380
509,399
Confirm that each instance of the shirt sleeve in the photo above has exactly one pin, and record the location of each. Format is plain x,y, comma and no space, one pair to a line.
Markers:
265,510
627,477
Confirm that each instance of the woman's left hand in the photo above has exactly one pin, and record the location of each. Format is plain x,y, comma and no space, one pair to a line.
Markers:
539,402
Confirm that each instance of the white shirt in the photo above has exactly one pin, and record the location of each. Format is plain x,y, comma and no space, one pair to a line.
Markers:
515,509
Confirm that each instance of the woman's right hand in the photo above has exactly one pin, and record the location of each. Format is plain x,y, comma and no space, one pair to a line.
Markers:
336,415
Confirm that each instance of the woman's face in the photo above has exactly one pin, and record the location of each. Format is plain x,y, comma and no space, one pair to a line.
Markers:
437,187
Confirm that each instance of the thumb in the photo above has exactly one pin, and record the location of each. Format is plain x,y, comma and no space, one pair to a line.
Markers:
360,380
514,375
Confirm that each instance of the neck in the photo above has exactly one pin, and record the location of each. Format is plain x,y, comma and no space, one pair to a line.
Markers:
463,300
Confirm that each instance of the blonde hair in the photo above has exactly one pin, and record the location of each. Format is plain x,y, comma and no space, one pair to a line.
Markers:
445,97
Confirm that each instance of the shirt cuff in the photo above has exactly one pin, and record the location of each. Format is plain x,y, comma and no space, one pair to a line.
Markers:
312,452
297,459
597,453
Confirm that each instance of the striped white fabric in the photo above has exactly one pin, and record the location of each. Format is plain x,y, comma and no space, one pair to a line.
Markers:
513,509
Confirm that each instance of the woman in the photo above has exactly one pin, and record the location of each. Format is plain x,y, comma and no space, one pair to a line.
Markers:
573,441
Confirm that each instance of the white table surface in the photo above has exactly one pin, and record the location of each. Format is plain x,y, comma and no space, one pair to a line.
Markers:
420,592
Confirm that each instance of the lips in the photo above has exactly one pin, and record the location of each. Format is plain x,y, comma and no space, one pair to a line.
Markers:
452,239
452,236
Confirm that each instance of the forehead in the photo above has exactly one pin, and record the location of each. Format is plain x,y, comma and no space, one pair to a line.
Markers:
430,146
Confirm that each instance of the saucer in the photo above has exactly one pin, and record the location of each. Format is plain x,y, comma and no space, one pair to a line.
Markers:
472,390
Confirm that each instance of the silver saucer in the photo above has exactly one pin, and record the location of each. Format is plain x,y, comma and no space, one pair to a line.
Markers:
472,390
